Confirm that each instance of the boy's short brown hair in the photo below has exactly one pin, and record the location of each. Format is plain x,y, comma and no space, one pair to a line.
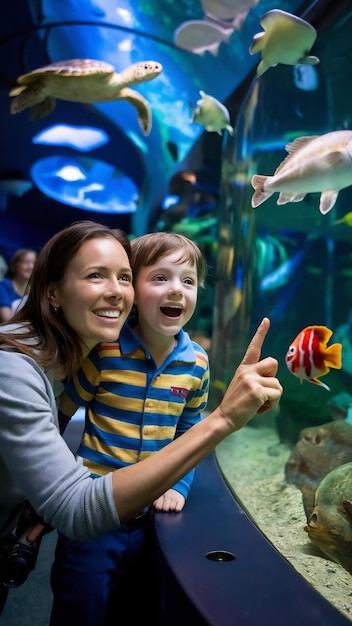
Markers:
147,249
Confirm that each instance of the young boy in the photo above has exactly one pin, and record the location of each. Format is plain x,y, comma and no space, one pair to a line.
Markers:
140,392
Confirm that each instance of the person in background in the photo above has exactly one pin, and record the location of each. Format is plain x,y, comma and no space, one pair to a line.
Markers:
13,285
80,294
140,392
3,267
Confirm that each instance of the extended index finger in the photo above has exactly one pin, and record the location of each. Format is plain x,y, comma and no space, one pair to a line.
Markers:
255,346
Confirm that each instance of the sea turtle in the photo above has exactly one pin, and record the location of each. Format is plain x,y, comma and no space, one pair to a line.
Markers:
86,81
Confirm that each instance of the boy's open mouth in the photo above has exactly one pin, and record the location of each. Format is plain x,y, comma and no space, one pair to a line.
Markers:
171,311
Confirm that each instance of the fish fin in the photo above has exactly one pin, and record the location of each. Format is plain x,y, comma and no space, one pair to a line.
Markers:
230,129
284,198
299,143
334,159
293,147
257,43
327,201
309,60
258,181
259,195
323,333
272,18
262,67
332,356
316,381
347,505
277,19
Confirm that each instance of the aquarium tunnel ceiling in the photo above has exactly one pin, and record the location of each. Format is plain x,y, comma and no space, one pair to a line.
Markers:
94,160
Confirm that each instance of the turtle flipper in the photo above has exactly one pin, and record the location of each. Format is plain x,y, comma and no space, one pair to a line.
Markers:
41,109
141,105
35,97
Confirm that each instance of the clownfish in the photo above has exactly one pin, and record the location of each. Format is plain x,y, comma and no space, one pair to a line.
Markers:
309,357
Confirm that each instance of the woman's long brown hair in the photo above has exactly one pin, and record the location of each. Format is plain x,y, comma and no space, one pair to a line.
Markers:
44,334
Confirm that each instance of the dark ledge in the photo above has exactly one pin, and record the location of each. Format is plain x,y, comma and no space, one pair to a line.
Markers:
256,588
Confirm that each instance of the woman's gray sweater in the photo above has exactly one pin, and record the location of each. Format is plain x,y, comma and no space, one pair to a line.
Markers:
36,463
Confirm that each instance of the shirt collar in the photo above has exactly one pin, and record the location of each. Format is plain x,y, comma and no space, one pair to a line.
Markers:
184,351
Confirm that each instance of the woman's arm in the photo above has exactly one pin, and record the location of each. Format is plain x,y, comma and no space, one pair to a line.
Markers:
36,460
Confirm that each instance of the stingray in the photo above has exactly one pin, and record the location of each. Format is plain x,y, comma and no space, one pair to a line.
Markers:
286,39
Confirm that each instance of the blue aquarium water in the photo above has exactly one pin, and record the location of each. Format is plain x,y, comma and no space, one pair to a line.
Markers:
295,265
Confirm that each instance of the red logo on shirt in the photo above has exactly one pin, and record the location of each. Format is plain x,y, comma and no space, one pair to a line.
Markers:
179,391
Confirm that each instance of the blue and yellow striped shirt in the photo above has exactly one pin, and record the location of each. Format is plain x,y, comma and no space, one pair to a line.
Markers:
135,408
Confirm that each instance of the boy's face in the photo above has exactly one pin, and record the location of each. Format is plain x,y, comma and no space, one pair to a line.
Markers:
166,295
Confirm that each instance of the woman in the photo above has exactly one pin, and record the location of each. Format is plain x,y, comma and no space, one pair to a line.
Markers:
13,286
80,294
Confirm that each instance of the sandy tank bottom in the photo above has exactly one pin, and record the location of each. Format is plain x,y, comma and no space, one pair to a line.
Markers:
253,461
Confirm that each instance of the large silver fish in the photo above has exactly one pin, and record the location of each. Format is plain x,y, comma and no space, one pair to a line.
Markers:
330,524
286,39
314,164
211,114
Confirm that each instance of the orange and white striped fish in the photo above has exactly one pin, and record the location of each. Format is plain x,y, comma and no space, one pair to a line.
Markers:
309,357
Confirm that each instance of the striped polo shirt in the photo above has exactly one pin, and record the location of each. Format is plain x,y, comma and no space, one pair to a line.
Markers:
135,408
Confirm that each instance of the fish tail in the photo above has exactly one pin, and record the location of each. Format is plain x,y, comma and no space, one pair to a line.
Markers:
332,356
260,195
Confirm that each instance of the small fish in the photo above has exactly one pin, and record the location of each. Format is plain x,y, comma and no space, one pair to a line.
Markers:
286,39
320,163
309,357
346,219
201,36
211,114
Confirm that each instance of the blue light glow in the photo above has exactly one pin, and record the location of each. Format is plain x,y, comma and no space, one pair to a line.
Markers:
86,183
169,201
83,138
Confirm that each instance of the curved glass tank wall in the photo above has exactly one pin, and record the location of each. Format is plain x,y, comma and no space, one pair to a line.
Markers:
292,264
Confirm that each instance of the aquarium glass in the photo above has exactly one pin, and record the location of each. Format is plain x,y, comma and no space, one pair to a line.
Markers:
293,264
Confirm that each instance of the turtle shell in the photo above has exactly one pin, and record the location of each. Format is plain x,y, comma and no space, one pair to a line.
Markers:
71,67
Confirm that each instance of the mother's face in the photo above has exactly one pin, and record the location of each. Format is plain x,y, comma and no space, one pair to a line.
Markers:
96,294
